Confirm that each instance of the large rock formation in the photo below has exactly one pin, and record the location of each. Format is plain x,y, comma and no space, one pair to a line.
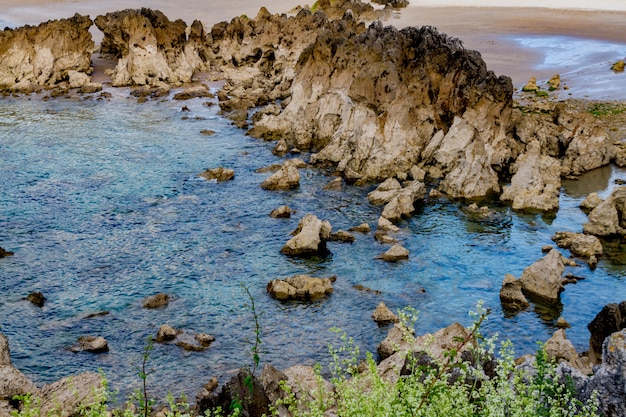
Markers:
150,49
375,121
45,55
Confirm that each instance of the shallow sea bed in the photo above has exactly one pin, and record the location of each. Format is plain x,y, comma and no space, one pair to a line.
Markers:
102,204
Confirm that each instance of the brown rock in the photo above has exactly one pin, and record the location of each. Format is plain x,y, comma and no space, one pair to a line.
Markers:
286,178
5,253
607,218
310,237
383,315
300,287
362,228
341,236
395,253
579,244
282,212
157,301
37,298
92,344
166,333
611,319
511,295
220,174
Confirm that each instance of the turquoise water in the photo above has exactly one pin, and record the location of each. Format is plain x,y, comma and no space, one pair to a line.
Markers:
102,204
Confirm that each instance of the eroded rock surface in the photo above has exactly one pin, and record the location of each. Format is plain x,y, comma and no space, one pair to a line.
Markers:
46,55
151,49
543,278
609,217
578,243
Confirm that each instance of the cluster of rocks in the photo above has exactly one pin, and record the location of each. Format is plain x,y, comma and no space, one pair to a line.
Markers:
189,342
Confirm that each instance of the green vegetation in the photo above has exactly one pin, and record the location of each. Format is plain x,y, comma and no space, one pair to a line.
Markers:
446,386
607,109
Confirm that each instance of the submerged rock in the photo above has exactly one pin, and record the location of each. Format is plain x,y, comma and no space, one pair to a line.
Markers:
282,212
4,253
590,202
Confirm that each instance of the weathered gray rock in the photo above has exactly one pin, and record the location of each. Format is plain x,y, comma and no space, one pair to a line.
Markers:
396,253
536,182
46,55
219,174
608,218
611,319
150,49
511,295
92,344
286,178
609,380
310,237
373,121
383,315
300,287
579,244
306,385
543,278
156,301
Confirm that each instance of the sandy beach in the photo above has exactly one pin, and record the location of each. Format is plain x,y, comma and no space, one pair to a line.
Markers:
534,38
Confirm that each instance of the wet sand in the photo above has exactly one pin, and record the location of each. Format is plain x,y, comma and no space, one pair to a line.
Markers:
519,41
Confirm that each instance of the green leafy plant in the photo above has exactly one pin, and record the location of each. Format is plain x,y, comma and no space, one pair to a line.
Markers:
448,386
141,394
31,407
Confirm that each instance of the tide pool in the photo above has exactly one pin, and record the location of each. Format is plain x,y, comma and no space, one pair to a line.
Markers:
102,204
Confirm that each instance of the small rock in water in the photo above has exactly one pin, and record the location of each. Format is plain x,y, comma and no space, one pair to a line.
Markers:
618,66
362,228
166,333
282,212
92,344
361,287
546,248
395,253
37,298
156,301
383,315
220,174
561,323
205,339
5,253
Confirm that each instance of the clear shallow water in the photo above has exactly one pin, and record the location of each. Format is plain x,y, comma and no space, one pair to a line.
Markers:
102,204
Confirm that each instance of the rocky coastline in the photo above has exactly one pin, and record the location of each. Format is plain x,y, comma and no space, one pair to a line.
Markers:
410,109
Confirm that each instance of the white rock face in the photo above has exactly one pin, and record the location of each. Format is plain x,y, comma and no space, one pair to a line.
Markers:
536,183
